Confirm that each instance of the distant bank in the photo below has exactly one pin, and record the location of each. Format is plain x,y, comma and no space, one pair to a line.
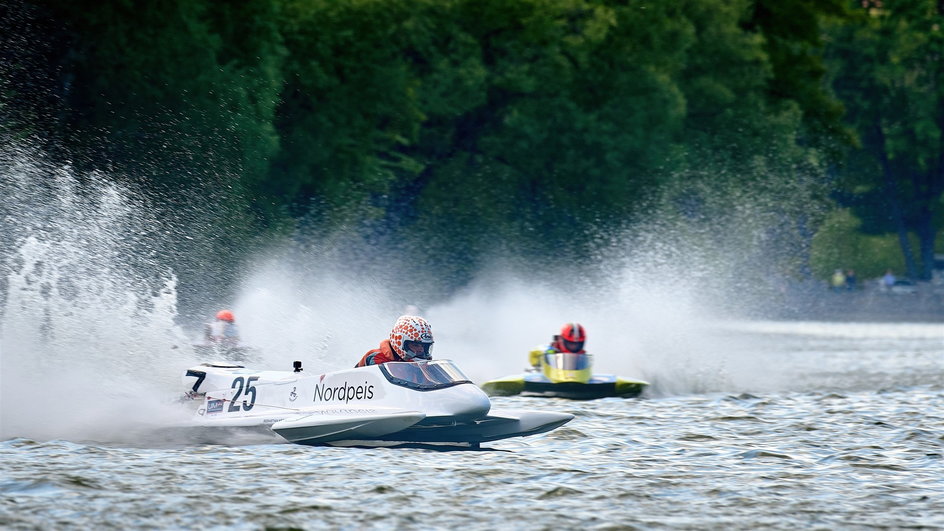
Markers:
868,303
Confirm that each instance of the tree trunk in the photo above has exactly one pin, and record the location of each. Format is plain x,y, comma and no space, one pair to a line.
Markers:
890,185
926,234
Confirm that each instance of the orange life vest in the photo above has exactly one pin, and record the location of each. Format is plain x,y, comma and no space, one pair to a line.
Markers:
383,354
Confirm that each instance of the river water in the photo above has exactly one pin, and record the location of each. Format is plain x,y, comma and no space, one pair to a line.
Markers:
843,428
747,424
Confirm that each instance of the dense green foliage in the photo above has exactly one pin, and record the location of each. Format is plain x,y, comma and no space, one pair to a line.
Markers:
461,127
890,73
841,243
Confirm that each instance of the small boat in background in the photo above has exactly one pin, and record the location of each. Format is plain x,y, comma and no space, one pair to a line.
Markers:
565,375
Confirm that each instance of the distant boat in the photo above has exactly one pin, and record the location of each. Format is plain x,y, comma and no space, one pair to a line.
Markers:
565,375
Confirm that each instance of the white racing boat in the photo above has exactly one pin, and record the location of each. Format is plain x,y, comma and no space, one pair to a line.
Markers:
423,402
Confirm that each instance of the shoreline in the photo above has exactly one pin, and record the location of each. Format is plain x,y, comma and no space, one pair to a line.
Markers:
868,303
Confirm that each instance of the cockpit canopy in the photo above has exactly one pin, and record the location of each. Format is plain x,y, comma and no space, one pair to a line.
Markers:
423,375
566,367
566,361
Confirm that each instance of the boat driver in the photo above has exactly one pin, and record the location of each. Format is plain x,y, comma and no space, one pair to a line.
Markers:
223,331
410,340
571,339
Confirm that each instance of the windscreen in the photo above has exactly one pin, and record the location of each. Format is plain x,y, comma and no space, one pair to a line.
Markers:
565,361
424,375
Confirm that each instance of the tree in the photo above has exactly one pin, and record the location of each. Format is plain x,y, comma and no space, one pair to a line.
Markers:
793,41
575,120
176,97
889,72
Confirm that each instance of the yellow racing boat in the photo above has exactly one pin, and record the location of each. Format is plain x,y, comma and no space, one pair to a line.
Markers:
565,375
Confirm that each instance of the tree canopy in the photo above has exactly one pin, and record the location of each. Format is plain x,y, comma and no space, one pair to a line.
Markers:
465,126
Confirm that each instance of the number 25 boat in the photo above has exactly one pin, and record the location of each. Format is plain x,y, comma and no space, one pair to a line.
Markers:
422,402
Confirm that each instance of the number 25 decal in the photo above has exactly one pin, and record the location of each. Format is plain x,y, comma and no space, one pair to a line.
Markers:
250,390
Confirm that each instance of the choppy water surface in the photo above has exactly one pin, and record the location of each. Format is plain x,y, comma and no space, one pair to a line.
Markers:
845,429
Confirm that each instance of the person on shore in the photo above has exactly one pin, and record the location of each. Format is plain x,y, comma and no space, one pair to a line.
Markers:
888,280
851,280
571,339
838,281
410,340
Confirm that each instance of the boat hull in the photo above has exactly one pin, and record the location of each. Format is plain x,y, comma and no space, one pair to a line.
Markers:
497,425
599,386
396,403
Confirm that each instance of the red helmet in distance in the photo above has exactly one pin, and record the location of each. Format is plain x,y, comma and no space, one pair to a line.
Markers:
572,338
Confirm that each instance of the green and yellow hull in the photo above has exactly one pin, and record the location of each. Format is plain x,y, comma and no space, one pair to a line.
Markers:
575,388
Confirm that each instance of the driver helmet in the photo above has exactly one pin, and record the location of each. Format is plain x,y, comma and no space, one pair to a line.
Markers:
225,315
572,337
412,338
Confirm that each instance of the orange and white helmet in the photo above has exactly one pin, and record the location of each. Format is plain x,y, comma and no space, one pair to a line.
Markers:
225,315
572,337
412,338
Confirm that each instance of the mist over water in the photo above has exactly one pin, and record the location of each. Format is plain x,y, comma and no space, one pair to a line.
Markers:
90,333
85,330
639,325
748,421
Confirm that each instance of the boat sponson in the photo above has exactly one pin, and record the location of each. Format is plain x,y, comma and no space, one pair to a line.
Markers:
497,425
504,387
583,391
319,429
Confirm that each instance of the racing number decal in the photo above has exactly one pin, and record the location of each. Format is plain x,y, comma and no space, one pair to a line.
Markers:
234,405
250,390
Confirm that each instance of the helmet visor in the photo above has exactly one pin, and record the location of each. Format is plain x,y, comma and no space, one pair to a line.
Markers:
571,346
417,350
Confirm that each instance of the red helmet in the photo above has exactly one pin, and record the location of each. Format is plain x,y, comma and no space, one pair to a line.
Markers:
225,315
572,337
412,338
